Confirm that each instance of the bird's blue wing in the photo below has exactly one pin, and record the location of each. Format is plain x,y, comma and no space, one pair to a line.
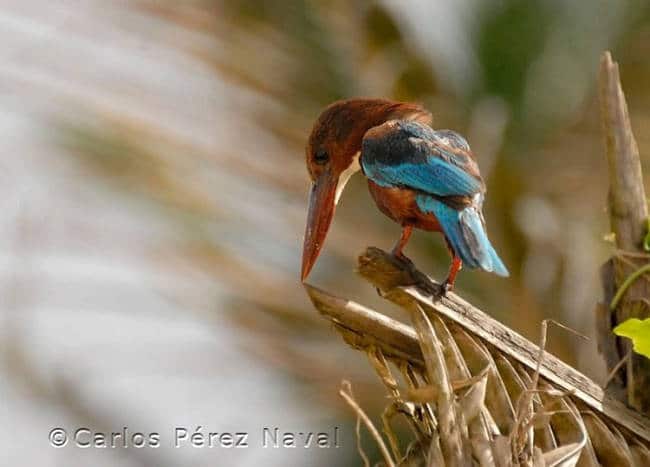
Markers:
408,154
432,176
438,165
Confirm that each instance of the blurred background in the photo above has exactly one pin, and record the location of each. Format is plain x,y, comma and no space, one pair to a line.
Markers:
154,197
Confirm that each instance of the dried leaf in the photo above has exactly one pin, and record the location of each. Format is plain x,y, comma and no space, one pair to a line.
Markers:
473,402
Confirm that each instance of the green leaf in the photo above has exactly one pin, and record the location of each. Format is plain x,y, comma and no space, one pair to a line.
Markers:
646,240
639,332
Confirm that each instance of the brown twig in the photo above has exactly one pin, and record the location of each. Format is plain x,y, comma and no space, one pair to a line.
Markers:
346,393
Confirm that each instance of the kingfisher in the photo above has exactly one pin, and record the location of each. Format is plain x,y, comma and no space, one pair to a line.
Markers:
419,177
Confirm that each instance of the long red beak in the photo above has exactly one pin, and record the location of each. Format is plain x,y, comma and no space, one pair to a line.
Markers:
321,211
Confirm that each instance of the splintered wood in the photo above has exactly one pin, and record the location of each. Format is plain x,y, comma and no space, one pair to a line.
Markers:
473,391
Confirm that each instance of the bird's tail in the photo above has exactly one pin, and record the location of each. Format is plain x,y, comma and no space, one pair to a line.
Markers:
465,231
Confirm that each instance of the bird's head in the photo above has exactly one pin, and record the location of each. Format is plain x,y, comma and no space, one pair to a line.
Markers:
333,157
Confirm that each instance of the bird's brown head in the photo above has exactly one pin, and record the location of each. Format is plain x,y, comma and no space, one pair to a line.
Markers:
333,156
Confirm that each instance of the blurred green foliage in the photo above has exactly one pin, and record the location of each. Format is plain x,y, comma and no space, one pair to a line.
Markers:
510,38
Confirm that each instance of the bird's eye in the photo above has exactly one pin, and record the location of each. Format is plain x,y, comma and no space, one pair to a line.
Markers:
321,157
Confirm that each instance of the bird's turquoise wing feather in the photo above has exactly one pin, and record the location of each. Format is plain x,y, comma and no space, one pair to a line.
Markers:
409,154
466,233
432,175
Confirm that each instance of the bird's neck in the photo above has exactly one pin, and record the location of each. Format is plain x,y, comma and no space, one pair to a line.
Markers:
353,168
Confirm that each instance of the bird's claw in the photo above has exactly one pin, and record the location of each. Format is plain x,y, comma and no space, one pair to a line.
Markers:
421,280
405,261
427,285
445,287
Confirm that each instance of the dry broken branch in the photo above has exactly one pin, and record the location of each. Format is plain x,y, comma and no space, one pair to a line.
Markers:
629,221
463,373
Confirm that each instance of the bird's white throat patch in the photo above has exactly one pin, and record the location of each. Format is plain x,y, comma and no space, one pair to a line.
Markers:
345,176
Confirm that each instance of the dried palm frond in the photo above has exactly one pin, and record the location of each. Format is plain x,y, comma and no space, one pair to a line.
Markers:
473,391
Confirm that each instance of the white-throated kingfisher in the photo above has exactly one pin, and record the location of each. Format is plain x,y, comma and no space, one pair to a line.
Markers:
419,177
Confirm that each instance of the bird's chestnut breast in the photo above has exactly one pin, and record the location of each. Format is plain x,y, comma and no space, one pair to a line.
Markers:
399,204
